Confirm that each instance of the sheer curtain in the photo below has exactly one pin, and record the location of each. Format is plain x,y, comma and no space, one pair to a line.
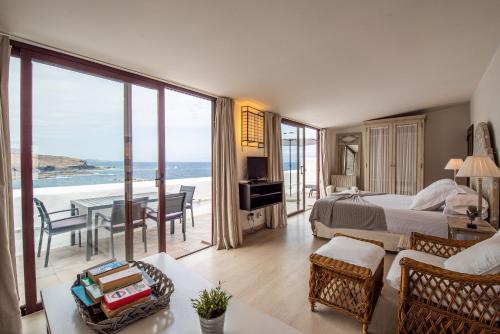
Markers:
406,159
227,229
324,173
379,159
276,214
10,315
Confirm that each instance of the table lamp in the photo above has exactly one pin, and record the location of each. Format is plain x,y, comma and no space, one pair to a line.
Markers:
454,164
479,166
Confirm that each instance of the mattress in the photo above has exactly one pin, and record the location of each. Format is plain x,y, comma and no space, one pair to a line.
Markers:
400,220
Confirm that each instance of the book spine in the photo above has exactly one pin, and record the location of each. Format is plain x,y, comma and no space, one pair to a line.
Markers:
126,300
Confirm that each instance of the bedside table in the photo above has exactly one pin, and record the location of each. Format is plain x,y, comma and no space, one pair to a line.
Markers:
458,225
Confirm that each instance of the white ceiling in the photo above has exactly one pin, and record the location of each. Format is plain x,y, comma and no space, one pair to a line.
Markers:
324,62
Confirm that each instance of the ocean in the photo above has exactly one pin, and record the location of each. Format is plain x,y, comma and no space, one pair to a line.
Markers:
112,172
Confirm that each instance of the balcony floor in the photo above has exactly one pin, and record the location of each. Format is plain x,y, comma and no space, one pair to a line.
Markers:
65,261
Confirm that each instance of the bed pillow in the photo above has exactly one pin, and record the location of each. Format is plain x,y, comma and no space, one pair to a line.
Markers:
434,196
442,181
481,259
457,204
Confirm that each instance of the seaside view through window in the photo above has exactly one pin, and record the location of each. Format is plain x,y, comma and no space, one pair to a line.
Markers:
79,124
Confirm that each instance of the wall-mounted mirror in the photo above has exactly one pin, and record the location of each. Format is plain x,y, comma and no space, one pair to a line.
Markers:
348,154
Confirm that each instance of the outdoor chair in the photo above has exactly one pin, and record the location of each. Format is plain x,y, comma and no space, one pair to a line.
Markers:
57,226
189,190
116,222
174,209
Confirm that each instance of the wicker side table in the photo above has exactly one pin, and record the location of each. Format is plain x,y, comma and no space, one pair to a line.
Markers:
345,287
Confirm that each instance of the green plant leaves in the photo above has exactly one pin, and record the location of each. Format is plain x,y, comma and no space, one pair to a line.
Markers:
211,304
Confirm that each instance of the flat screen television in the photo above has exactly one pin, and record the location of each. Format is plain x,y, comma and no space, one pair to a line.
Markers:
256,168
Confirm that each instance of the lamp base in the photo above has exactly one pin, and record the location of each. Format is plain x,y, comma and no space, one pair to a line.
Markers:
472,226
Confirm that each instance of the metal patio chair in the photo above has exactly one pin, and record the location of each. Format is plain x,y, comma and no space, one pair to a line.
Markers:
174,209
116,222
57,226
189,190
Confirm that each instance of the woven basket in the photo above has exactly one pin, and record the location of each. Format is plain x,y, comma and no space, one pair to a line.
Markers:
102,325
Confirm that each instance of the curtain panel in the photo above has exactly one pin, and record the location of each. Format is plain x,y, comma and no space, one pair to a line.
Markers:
406,159
324,173
379,159
276,214
10,314
227,229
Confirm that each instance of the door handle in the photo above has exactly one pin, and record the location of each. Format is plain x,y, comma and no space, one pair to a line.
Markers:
302,169
158,178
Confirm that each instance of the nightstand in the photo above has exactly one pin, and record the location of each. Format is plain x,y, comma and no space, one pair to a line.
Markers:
458,225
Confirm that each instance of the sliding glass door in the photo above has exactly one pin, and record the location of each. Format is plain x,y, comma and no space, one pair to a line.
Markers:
293,166
311,168
188,168
89,146
300,161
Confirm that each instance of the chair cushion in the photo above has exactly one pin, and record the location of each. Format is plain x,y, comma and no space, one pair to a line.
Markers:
394,274
172,216
481,259
121,227
357,252
70,223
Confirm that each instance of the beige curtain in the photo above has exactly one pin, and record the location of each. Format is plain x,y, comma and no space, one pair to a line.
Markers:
406,159
324,165
228,232
276,214
10,315
379,159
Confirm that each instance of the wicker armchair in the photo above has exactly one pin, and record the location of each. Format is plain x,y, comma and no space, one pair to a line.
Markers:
436,300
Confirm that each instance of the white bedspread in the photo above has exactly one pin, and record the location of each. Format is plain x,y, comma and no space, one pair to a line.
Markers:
401,220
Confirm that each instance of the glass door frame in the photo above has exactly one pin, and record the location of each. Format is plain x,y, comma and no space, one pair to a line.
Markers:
303,126
29,53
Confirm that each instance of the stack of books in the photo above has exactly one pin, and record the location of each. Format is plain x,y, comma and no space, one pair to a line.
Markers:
114,287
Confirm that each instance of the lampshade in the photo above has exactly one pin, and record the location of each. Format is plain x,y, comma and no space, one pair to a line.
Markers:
454,164
479,166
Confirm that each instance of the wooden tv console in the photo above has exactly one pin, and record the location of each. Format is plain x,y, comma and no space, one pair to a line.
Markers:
258,195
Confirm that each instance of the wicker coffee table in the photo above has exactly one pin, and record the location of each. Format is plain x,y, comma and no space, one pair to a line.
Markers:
345,287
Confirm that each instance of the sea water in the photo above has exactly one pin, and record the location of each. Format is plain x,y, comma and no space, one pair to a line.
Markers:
113,172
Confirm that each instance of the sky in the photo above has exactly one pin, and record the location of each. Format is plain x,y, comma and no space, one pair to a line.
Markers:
81,116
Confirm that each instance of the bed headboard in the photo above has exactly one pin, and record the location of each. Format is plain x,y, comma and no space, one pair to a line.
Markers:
482,146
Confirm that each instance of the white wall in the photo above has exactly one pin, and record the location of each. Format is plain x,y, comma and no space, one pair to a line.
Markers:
485,103
445,138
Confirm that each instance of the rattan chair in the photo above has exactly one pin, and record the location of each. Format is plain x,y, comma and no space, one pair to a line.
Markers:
435,300
348,288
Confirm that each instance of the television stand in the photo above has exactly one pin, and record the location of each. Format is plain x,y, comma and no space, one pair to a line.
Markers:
258,195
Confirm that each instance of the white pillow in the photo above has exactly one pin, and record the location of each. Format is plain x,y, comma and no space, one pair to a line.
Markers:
442,181
481,259
465,190
394,274
457,204
434,196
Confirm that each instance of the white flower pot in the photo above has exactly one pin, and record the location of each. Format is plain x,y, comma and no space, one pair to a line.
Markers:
212,326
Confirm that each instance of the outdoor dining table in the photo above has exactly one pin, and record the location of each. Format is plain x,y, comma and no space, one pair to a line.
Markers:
90,205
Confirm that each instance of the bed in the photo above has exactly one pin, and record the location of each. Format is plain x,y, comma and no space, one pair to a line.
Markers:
387,217
399,220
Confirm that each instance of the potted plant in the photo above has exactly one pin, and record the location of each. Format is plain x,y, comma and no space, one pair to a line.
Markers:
211,307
